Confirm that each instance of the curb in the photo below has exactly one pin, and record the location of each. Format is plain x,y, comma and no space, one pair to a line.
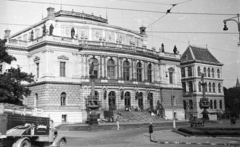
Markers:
194,143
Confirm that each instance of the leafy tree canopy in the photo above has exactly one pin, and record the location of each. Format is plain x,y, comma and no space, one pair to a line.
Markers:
11,88
4,56
232,99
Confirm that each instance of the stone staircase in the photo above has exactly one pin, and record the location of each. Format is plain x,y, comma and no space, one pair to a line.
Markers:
135,116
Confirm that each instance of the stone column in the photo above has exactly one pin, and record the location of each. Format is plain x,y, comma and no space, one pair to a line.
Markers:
105,67
133,67
118,68
145,65
83,66
153,72
100,67
86,66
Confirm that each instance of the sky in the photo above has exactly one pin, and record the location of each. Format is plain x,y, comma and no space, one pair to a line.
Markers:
195,22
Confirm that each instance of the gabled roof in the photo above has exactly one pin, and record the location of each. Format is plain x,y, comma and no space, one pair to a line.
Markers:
198,54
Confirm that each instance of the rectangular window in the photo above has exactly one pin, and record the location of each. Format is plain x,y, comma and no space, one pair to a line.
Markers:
183,72
62,69
37,64
189,71
184,87
190,86
64,118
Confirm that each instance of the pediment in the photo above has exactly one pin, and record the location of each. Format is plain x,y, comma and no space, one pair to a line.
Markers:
36,59
63,57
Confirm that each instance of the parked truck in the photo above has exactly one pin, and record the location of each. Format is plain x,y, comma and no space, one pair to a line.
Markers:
22,127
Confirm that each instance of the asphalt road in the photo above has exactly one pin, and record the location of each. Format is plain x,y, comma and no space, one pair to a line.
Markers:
137,137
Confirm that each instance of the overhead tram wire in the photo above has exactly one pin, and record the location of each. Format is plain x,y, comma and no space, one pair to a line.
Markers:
168,11
173,32
123,9
135,1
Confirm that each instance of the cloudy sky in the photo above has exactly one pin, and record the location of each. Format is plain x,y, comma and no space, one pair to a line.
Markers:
195,22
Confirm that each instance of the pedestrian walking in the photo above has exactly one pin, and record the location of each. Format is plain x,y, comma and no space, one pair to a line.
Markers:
150,130
117,121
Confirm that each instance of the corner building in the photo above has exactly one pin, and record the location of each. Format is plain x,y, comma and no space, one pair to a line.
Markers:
59,50
194,62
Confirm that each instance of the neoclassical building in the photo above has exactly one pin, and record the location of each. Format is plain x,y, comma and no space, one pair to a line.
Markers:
59,50
194,61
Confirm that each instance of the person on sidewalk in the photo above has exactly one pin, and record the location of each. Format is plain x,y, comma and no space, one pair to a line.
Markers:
117,121
150,130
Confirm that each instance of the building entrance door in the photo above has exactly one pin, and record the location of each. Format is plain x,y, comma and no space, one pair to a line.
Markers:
112,100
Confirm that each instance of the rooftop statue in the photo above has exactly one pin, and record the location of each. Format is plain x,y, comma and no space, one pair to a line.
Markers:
51,30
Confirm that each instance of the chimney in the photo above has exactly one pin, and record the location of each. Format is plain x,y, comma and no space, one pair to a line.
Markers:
142,30
7,34
50,11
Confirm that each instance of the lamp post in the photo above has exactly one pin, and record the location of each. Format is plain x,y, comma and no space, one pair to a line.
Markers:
232,19
172,101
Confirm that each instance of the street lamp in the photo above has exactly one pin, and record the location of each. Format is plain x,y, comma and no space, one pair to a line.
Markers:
172,102
232,19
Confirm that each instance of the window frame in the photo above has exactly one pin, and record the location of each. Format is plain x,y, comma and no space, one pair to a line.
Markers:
126,70
62,69
139,71
111,69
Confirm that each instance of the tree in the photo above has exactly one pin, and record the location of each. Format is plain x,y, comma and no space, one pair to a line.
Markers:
11,88
4,56
232,99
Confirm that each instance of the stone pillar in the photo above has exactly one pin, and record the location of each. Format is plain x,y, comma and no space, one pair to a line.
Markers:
153,72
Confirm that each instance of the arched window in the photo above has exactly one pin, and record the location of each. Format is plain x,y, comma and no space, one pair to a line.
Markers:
220,104
36,100
111,68
95,68
112,100
210,87
219,88
149,70
215,104
213,87
199,71
218,73
126,70
127,97
205,72
213,73
199,87
209,72
211,104
63,99
139,71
